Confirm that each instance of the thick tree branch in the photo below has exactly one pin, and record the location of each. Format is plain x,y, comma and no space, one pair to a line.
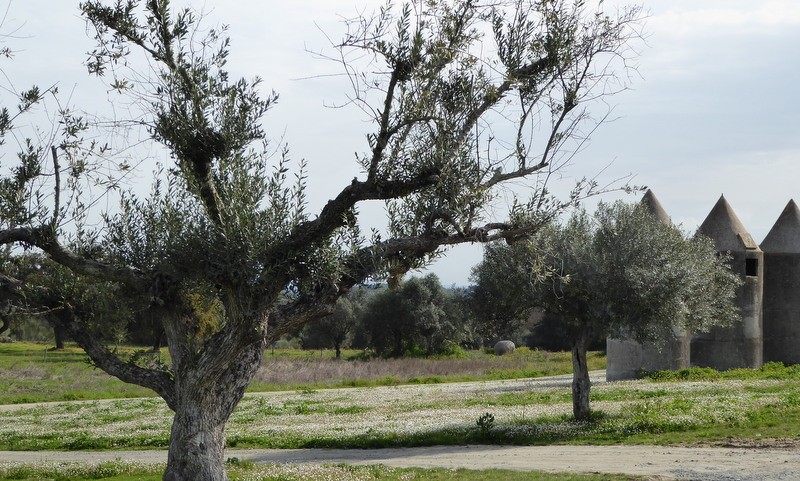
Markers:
291,316
332,215
44,239
159,381
385,133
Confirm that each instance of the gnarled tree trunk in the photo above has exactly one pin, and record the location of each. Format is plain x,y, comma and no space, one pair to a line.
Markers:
59,333
580,378
208,386
197,442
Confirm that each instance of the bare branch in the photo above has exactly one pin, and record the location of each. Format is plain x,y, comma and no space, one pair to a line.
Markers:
56,190
385,132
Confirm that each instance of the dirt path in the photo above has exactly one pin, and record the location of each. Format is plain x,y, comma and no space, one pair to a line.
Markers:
700,464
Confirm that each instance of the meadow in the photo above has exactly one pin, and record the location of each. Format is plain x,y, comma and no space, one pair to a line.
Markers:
423,402
31,372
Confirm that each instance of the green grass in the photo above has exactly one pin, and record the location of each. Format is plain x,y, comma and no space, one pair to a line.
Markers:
123,471
638,412
770,370
32,373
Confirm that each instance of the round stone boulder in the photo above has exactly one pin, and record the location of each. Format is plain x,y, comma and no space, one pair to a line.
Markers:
504,347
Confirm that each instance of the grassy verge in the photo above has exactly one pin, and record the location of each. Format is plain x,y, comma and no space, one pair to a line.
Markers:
32,373
123,471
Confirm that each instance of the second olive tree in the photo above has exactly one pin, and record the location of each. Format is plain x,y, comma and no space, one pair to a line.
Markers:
620,271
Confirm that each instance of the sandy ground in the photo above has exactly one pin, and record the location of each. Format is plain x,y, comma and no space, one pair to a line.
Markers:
701,464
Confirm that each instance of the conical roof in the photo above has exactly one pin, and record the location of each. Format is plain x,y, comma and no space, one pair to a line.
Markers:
654,207
725,229
784,237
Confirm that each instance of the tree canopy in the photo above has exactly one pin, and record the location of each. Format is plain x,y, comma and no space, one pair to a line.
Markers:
619,272
226,230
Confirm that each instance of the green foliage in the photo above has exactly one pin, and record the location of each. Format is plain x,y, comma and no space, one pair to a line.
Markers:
51,294
494,295
452,349
335,330
690,374
620,272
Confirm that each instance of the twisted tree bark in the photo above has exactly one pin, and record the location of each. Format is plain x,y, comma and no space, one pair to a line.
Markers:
581,385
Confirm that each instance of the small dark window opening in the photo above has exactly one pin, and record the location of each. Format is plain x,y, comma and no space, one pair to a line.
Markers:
751,267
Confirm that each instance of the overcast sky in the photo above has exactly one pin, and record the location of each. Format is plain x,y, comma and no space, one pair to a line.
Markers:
716,110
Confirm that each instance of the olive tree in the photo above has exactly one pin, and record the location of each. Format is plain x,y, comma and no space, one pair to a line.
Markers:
336,328
418,314
225,229
619,271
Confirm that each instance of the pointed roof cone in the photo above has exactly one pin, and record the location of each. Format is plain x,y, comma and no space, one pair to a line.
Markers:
724,227
784,237
654,207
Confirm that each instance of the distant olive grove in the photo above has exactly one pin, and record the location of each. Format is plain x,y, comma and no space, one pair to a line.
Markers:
421,317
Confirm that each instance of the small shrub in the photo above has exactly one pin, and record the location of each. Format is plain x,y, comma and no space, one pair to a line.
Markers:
240,463
453,349
485,424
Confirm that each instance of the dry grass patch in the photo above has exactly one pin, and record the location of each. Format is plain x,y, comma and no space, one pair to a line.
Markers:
292,372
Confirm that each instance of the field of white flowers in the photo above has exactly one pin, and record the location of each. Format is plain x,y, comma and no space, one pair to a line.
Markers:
514,411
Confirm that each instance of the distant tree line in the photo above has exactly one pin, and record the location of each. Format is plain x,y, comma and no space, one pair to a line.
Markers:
419,317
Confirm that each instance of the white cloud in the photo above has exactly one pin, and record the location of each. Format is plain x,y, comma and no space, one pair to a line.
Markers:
693,18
